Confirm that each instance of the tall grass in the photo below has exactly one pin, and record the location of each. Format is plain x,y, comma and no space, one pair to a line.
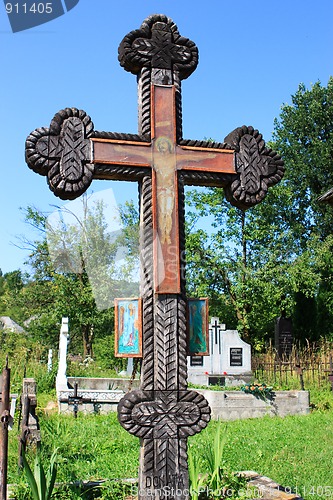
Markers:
294,451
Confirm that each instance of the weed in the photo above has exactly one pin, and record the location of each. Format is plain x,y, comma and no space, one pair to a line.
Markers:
218,481
197,479
41,483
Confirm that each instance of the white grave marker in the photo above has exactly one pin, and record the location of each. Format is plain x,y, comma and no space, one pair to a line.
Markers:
61,380
49,360
229,358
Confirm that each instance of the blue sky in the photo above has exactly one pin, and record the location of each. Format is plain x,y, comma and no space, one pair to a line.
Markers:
252,57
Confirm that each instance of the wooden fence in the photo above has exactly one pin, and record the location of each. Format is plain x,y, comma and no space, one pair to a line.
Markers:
304,368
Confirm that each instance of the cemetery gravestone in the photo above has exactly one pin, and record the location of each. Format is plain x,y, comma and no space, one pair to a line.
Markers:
229,360
94,396
236,354
163,413
283,336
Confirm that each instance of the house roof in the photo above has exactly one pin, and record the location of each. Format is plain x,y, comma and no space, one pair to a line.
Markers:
9,324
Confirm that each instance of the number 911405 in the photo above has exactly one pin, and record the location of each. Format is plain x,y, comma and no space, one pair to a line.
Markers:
35,8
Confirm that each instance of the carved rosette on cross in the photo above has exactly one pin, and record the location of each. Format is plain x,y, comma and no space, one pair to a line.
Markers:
163,413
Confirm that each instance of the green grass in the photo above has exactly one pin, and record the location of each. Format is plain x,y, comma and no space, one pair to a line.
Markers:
294,451
90,447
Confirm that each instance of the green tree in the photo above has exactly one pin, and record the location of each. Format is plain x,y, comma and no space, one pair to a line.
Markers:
246,263
303,134
11,284
74,273
277,255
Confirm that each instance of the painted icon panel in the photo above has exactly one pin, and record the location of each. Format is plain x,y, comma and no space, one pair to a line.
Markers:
128,329
197,327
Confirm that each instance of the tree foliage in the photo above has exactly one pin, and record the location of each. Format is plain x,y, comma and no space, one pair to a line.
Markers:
304,136
74,273
276,256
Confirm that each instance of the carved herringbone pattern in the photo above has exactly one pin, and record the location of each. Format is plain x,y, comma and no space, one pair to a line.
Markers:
166,355
75,149
167,463
148,461
167,414
250,159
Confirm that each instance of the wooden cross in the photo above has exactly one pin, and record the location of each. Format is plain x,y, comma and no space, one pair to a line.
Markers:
163,413
215,327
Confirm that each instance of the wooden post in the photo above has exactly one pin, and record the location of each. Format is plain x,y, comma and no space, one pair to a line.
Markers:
5,407
30,432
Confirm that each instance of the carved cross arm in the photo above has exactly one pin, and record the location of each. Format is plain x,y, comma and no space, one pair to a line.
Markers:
63,153
257,168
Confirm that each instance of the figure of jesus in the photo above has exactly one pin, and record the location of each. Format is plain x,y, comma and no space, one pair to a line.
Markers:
163,163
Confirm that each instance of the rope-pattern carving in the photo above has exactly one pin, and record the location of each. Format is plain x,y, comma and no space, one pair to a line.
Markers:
257,168
35,160
179,110
202,178
182,242
125,408
144,102
146,257
205,144
181,313
120,136
183,464
118,172
200,402
182,344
